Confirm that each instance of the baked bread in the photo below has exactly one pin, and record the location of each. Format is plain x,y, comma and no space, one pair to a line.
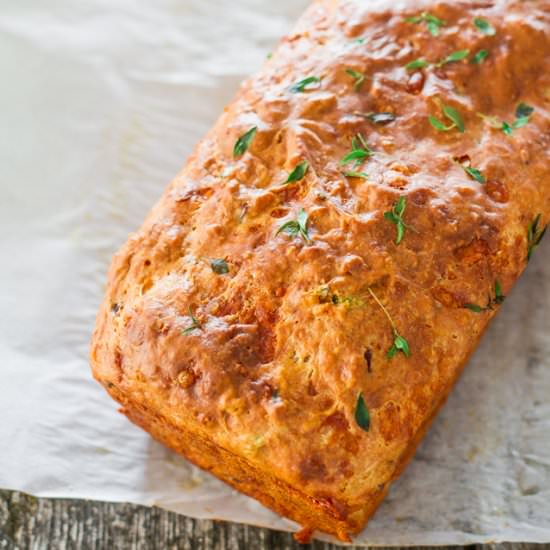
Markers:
300,302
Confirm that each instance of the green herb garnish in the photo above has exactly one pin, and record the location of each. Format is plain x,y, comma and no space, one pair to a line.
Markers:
535,233
362,416
399,343
494,122
395,215
297,227
433,23
352,174
507,128
219,266
378,118
453,115
360,151
491,302
479,57
474,173
459,55
523,115
242,144
195,324
358,77
454,57
416,64
519,123
303,84
299,172
484,26
524,111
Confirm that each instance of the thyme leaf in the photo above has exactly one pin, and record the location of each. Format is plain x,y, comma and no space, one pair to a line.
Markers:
459,55
417,64
474,173
219,266
524,111
244,141
362,416
479,57
399,344
299,172
484,26
304,84
352,174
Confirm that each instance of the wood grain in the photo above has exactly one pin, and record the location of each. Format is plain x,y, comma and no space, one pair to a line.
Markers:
30,523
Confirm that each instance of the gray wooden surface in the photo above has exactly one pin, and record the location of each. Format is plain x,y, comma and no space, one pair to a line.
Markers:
60,524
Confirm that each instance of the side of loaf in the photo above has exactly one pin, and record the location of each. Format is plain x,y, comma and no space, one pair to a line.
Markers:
300,302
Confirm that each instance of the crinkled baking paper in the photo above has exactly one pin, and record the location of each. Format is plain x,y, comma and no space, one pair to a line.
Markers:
100,102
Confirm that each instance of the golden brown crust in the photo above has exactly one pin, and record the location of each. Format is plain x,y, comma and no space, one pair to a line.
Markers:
263,365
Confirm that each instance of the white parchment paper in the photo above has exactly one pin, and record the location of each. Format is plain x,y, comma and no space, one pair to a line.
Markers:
100,103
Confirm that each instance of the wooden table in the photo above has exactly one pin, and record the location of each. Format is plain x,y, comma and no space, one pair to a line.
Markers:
29,523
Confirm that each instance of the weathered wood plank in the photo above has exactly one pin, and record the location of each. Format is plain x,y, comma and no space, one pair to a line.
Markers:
29,523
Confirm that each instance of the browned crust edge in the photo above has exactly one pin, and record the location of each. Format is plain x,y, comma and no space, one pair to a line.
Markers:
311,513
240,474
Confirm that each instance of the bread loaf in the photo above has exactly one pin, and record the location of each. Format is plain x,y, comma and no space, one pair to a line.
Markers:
301,300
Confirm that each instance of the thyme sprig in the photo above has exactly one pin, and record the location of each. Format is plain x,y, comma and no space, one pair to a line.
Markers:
297,227
535,233
400,344
433,23
459,55
395,215
523,115
359,79
474,173
195,323
491,302
451,114
360,151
